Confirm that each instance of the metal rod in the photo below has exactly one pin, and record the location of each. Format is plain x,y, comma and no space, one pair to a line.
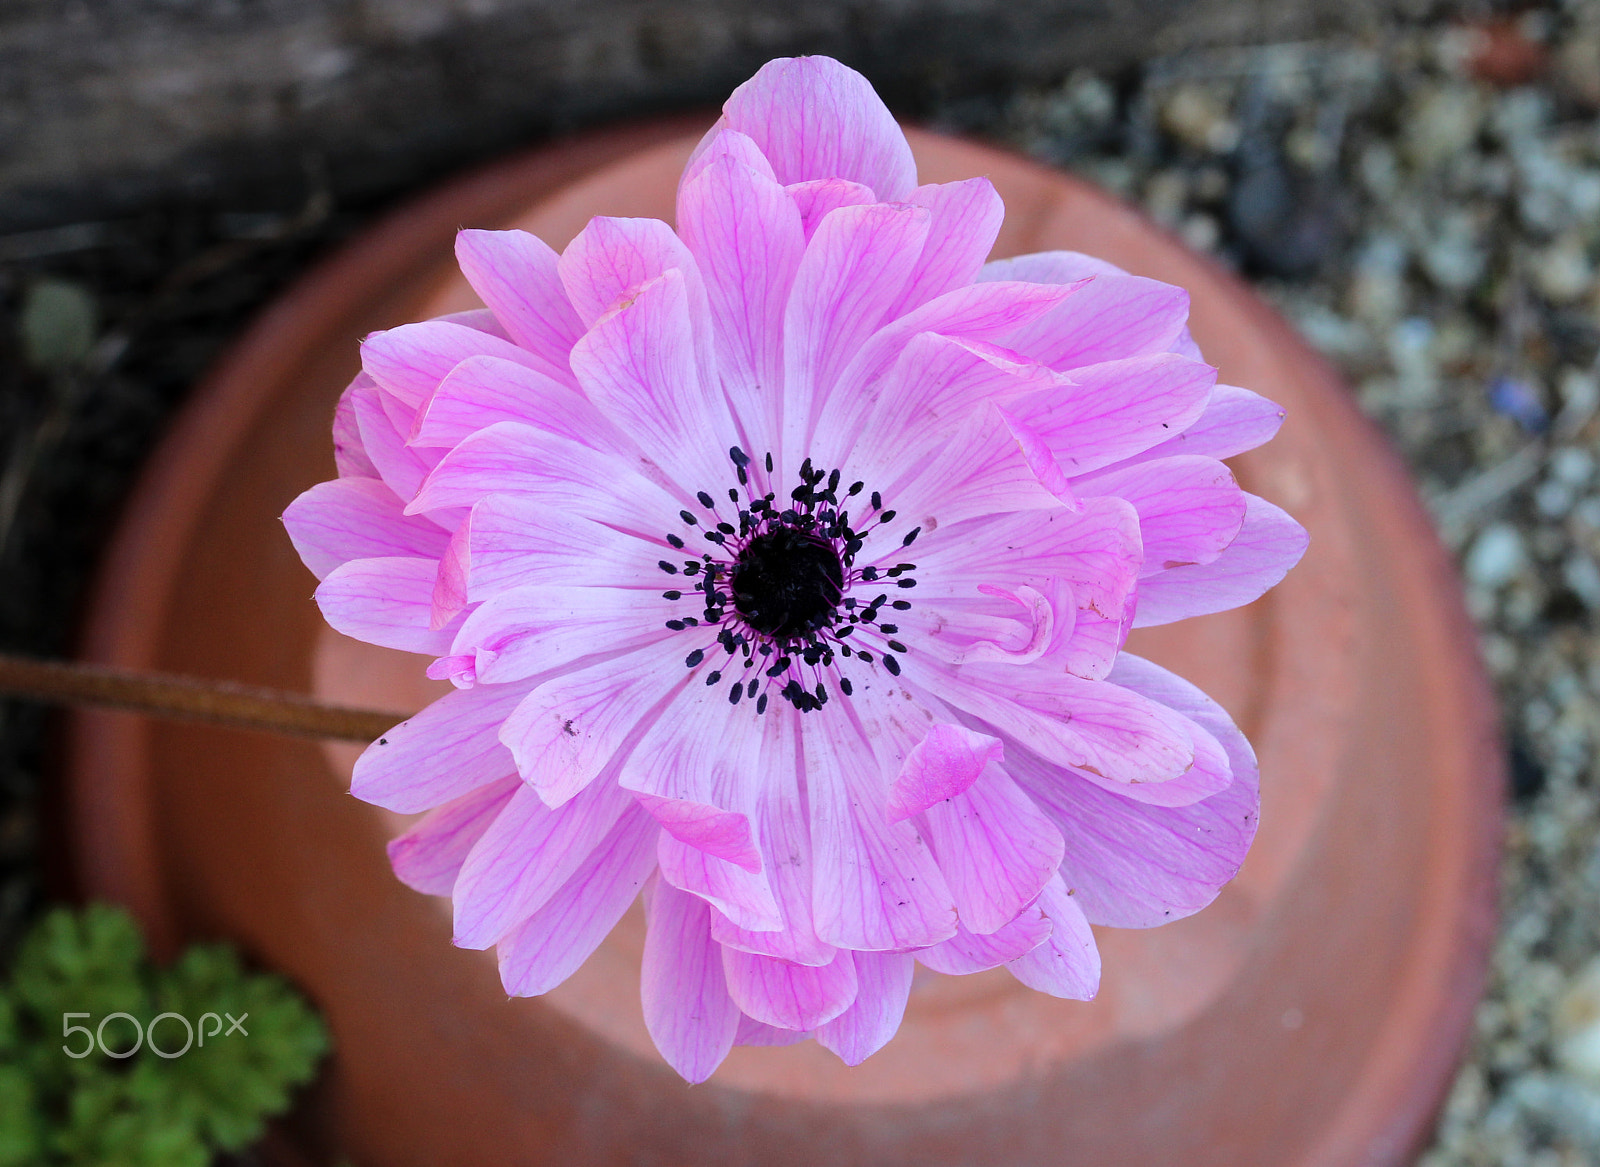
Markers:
190,698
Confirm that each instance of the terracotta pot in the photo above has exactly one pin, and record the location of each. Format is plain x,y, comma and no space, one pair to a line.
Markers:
1312,1015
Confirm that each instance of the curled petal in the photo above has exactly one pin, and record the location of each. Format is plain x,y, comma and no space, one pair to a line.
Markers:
687,1009
1067,964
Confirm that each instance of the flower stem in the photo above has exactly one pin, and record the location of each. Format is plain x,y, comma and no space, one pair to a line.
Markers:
189,698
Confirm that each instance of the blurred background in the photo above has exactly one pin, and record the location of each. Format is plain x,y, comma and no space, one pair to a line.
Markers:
1415,185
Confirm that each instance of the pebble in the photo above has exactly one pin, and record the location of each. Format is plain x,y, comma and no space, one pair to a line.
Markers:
1198,120
1562,271
1496,557
1576,1025
58,324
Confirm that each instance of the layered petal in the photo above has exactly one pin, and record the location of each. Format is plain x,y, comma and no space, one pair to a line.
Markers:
687,1010
515,274
357,518
1269,543
815,118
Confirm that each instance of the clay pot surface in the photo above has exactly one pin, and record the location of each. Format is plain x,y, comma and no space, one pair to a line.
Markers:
1311,1016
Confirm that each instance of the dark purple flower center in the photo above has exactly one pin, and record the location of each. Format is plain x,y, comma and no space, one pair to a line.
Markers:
787,582
777,589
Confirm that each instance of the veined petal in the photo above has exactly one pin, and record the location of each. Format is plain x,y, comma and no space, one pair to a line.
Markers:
966,952
547,948
815,118
445,751
1067,964
852,272
816,198
483,390
349,455
1135,865
401,468
877,886
638,364
1233,421
519,542
1114,315
787,995
966,218
427,857
760,1033
745,897
515,274
1190,507
1115,410
411,360
1095,550
525,856
996,848
1269,543
543,629
1094,726
357,518
746,236
940,767
883,985
566,731
786,838
386,601
546,469
687,1009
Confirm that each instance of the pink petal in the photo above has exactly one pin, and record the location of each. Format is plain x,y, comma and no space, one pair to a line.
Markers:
760,1033
789,996
1091,647
979,312
1234,420
1134,865
966,220
877,886
411,360
852,272
687,1009
1012,627
385,601
439,754
815,118
1268,545
1093,726
546,628
1095,550
720,833
1067,964
349,456
942,765
718,143
513,458
638,364
883,982
519,542
996,848
746,237
566,731
966,953
1115,410
1190,507
525,857
745,897
781,816
514,273
1114,316
356,518
701,750
547,948
451,585
816,198
428,856
401,468
483,390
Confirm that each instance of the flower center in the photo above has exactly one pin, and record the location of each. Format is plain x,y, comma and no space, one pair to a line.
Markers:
787,582
778,588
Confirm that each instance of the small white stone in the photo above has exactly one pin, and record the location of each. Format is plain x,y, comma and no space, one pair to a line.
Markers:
1562,271
1497,555
1572,465
1576,1025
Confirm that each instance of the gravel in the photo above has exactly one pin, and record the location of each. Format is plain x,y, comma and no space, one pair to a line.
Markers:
1423,200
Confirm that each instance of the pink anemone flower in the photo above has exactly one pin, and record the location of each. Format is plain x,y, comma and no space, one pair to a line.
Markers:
782,565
